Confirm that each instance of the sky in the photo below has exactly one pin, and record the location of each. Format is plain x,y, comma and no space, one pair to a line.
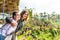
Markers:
48,6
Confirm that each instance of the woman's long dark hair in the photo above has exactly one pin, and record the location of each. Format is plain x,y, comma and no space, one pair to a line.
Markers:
22,13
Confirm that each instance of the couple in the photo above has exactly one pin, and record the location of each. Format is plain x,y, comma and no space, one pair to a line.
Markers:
13,24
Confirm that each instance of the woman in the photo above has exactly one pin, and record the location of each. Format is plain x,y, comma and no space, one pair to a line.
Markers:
9,28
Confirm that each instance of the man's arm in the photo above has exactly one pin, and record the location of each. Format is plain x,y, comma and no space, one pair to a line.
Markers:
9,20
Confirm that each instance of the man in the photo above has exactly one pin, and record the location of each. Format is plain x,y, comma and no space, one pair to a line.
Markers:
8,28
23,17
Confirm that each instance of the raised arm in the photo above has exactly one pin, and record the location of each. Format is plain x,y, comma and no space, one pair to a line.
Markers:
9,20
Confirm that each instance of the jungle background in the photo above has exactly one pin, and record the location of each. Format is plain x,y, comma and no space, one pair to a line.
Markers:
42,26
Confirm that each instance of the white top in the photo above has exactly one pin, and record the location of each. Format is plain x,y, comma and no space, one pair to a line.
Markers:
7,29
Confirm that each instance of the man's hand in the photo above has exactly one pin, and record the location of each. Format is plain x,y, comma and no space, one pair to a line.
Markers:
14,23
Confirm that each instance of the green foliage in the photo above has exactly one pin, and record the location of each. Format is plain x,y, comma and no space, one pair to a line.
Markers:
40,29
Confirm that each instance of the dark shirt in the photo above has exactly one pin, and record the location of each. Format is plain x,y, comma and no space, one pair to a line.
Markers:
20,25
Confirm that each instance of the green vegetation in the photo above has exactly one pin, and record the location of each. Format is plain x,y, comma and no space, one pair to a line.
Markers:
43,27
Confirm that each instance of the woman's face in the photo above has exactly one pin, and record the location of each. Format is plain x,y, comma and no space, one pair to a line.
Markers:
25,16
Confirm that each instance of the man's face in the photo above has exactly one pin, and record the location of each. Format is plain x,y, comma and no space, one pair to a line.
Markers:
25,16
17,16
